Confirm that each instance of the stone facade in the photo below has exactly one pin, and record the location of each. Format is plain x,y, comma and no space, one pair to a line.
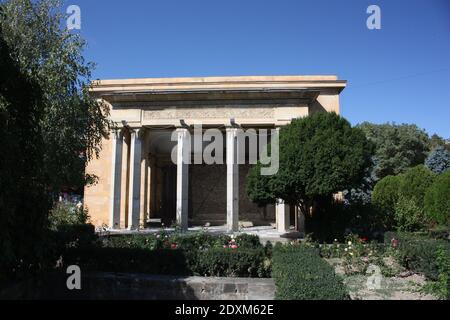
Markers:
137,179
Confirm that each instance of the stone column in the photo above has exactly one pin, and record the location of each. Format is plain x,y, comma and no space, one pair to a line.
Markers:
183,157
116,179
134,200
144,177
232,181
282,213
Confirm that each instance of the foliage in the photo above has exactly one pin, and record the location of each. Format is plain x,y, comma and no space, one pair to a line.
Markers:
438,142
49,125
72,123
301,274
233,263
385,196
24,199
400,199
438,160
319,155
415,182
196,254
408,215
397,147
437,200
66,213
441,287
161,261
418,252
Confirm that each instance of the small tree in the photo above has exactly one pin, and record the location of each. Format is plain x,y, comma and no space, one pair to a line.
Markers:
437,200
320,155
414,184
385,196
439,160
397,147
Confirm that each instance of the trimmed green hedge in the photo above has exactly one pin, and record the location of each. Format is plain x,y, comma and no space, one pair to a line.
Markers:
418,252
437,200
301,274
199,254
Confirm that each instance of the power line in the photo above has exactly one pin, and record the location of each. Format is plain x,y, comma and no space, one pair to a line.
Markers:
401,78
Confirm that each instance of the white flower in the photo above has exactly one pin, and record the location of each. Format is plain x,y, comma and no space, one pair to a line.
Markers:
346,249
349,243
351,253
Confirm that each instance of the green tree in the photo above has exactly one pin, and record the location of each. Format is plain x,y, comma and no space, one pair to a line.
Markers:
50,126
414,184
24,199
397,147
438,142
437,200
319,155
385,196
72,123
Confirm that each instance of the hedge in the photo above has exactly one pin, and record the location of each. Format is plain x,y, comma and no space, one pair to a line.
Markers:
194,254
301,274
437,200
418,252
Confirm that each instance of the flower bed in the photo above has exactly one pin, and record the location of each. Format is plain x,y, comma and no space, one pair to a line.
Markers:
197,254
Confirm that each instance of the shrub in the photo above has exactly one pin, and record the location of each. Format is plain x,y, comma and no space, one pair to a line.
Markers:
199,254
162,261
66,213
441,287
439,160
75,236
408,215
418,253
414,184
301,274
385,196
437,200
232,263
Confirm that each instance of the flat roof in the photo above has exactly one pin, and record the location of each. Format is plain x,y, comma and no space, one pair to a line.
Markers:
205,84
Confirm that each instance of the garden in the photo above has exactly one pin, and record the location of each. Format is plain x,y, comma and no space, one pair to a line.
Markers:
375,198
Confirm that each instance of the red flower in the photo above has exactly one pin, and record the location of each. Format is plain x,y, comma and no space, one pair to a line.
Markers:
173,246
394,243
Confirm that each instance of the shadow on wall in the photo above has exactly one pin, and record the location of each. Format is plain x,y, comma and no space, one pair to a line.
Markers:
315,107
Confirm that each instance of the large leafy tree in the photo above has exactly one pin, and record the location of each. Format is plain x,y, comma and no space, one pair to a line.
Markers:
50,126
72,123
319,155
397,147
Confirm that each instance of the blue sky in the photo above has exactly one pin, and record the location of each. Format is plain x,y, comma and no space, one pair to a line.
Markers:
400,73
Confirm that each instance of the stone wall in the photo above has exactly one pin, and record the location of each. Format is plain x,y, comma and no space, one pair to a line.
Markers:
112,286
208,192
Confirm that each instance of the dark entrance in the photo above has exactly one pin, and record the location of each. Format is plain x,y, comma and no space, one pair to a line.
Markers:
169,195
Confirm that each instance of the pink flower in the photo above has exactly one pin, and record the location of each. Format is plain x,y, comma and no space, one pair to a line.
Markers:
394,243
225,247
234,247
173,246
